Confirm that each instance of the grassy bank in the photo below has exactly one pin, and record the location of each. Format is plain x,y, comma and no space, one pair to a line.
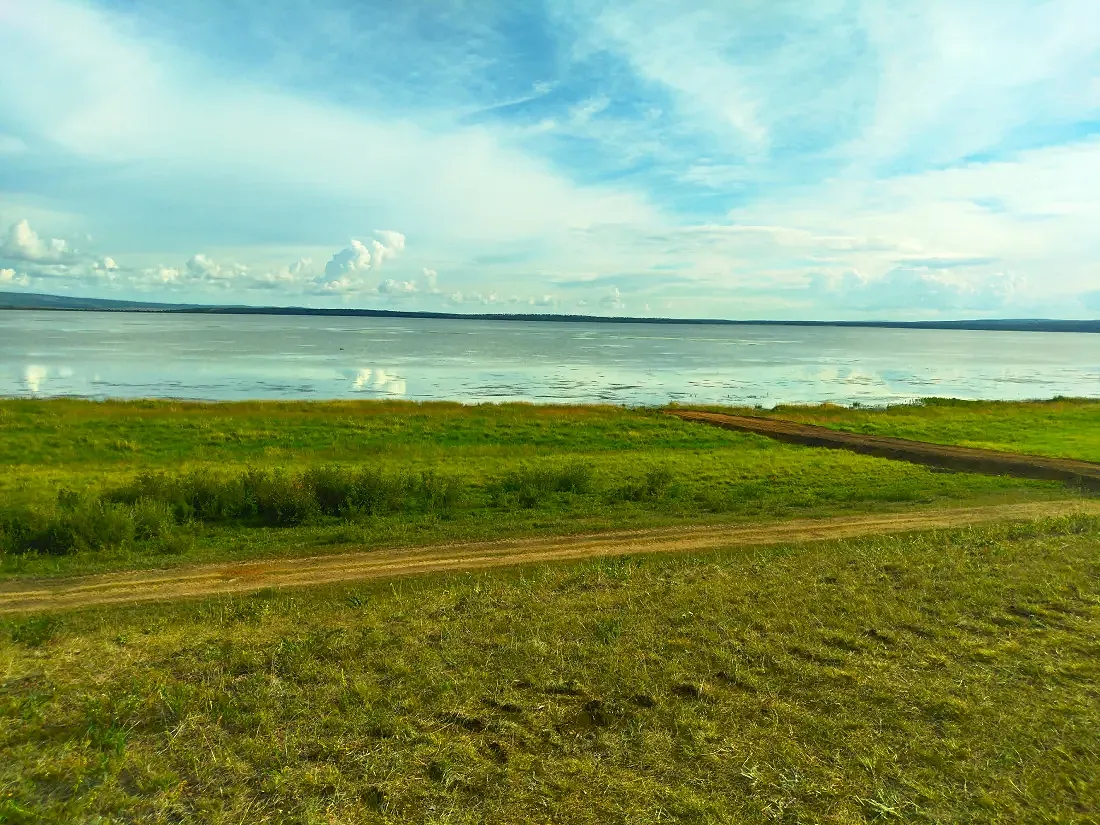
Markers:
931,678
89,486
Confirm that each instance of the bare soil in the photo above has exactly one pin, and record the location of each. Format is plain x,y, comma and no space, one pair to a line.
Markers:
214,579
1084,474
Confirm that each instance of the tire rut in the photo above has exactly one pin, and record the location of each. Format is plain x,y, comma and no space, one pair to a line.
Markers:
238,577
1084,474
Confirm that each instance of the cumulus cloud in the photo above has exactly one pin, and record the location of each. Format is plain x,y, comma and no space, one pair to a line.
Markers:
295,275
354,258
202,268
162,274
431,281
358,257
104,267
392,287
613,300
23,244
38,257
485,299
9,277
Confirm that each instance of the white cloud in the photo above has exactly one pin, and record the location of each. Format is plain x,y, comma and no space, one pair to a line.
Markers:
200,267
613,300
941,81
687,58
392,287
431,281
340,286
104,267
162,274
96,92
354,258
483,298
9,277
358,258
23,244
974,74
296,275
916,289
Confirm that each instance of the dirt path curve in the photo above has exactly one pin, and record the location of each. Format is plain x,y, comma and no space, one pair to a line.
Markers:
65,594
969,459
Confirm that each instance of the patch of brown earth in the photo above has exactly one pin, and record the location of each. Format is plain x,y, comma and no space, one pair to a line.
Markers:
237,577
1084,474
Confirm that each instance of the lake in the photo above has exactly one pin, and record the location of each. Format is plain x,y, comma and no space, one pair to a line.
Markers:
133,355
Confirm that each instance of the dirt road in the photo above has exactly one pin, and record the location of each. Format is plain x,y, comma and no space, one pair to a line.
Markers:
968,459
207,580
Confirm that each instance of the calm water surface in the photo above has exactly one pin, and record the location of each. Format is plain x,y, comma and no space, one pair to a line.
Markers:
112,355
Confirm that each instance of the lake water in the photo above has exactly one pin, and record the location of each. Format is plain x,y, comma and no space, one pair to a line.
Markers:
114,355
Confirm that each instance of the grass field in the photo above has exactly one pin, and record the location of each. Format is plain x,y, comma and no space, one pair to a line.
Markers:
942,677
91,486
1063,428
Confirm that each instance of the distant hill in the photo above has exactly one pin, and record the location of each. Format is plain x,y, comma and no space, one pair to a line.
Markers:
36,301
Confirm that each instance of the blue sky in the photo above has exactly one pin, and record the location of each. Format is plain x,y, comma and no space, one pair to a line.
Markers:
840,159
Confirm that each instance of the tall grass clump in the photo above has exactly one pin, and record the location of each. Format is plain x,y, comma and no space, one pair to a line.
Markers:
281,498
75,523
653,486
532,486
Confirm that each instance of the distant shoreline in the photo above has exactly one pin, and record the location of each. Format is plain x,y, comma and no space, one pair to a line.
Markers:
15,301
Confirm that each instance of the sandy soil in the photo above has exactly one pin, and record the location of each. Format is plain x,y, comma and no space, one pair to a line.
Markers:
207,580
1084,474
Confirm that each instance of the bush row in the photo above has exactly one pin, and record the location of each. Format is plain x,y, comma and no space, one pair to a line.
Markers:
152,506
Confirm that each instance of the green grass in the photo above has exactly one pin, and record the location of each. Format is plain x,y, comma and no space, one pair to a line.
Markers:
89,486
939,677
1062,427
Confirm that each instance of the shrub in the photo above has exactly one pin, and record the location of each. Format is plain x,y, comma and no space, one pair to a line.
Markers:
437,493
332,487
217,498
530,486
653,486
20,528
282,499
75,524
373,492
152,519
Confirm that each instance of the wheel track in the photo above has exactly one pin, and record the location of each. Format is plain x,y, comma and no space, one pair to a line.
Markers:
1084,474
236,577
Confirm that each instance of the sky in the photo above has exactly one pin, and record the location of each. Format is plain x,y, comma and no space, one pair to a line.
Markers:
841,159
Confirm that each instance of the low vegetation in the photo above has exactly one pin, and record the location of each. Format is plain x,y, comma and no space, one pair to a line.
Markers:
1061,427
90,486
937,677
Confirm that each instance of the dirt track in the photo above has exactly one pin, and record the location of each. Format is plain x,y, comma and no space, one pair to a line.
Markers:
1084,474
65,594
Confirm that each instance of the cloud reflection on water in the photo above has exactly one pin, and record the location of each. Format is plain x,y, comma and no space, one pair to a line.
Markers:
379,381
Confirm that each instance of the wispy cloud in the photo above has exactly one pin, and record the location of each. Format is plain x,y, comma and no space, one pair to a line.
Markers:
842,156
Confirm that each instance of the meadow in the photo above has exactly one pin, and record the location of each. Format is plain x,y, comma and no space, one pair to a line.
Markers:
937,677
92,486
1060,427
